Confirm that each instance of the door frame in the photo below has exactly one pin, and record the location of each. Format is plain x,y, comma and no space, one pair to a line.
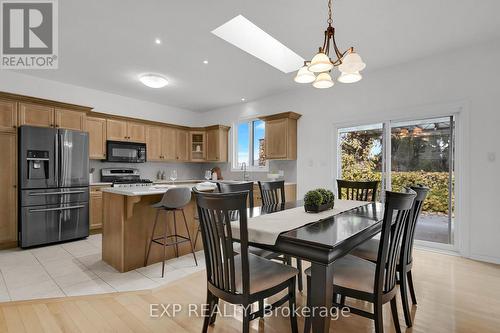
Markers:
460,110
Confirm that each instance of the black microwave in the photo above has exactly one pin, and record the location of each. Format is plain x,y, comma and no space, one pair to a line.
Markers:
126,152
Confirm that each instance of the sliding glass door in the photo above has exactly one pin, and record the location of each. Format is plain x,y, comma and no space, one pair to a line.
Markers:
400,154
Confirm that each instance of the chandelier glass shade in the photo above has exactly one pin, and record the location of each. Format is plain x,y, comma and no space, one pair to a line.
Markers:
328,57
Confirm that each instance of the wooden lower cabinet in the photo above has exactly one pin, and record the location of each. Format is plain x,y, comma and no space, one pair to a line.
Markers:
95,207
8,194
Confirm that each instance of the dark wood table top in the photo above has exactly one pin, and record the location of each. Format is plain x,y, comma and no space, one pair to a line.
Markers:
328,239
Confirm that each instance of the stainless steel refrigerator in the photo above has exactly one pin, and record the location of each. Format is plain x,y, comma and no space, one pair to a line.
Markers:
53,185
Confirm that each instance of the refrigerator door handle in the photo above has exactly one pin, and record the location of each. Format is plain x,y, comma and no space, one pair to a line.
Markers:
53,193
56,208
56,160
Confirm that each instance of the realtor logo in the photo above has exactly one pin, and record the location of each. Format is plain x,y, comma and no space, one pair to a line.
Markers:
29,34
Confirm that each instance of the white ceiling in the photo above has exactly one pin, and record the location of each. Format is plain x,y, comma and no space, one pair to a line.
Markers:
105,45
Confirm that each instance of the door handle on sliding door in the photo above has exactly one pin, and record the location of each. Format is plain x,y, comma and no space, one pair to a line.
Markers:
54,209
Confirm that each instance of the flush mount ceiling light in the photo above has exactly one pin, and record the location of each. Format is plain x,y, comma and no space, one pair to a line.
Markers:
245,35
153,80
319,68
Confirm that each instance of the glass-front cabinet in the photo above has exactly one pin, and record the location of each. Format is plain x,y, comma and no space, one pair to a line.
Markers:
198,146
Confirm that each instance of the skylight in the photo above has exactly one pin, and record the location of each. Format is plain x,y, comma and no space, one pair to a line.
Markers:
245,35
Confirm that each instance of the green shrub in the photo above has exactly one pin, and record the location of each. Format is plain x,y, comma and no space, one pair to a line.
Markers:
313,198
327,195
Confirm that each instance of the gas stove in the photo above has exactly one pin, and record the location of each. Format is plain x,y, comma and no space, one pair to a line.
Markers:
124,177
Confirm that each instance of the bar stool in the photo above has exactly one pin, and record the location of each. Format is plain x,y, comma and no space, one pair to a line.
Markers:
175,199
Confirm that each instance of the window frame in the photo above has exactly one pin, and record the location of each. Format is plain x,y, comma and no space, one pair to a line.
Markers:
234,163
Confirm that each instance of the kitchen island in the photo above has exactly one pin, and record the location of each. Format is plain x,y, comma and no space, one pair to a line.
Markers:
128,222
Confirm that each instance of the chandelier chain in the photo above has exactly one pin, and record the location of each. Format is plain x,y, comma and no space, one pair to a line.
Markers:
330,20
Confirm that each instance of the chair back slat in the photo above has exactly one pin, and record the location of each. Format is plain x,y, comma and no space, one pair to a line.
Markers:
238,187
409,234
357,190
272,193
216,212
397,210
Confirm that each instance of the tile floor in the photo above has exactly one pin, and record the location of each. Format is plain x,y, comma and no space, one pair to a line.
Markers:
76,268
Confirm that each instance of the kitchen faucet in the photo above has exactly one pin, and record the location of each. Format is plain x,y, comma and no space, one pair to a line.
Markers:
244,168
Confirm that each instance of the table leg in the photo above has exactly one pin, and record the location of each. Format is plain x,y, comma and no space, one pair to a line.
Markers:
321,296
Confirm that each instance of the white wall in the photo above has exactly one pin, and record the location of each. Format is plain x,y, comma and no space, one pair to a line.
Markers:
18,83
465,76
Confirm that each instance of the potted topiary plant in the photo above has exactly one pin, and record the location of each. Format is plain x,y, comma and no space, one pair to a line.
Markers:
318,200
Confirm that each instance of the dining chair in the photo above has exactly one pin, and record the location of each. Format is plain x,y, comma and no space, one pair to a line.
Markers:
364,280
357,190
238,278
368,250
273,195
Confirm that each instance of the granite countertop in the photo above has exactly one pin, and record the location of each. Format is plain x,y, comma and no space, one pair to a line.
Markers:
150,190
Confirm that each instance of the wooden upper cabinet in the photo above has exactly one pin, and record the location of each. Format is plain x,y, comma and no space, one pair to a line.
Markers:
116,130
281,136
96,127
122,130
181,145
169,143
217,143
136,132
197,146
70,119
8,116
154,143
8,195
36,115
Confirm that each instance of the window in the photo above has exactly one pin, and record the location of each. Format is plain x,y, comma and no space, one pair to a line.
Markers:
249,147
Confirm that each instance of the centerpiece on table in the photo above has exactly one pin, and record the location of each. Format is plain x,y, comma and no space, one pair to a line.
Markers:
318,200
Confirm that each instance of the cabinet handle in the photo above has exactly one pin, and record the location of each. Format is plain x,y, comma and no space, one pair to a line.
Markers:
14,126
57,125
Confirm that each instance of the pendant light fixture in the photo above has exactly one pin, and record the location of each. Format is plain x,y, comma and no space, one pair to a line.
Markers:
319,68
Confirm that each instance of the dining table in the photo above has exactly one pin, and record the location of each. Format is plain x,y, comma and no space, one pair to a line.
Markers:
321,243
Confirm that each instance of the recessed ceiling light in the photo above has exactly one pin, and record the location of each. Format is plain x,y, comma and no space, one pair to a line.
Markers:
205,62
153,80
243,99
245,35
158,41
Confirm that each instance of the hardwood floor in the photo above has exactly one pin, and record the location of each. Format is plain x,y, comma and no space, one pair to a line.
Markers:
454,295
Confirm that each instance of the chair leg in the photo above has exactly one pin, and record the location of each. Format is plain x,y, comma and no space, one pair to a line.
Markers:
165,238
395,317
246,320
403,287
175,233
299,279
151,240
342,300
189,236
412,289
378,317
307,320
292,305
210,314
196,237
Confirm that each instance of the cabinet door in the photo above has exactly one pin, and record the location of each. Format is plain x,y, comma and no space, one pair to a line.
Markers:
154,143
36,115
276,138
8,195
136,132
8,116
95,208
69,119
97,137
168,143
213,153
182,142
116,130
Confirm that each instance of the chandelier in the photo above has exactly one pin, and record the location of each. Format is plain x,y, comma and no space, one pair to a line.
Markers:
317,71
